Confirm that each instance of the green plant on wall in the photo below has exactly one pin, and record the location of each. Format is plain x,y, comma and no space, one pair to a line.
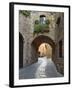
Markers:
25,12
47,21
40,28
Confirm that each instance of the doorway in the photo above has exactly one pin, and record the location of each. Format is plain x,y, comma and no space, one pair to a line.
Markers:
21,50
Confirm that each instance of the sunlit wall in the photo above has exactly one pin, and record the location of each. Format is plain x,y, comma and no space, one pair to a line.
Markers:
45,50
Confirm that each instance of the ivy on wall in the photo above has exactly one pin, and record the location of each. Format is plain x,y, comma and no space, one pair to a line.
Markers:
25,13
40,28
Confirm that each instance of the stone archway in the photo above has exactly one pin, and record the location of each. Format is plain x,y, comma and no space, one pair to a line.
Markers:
21,40
37,42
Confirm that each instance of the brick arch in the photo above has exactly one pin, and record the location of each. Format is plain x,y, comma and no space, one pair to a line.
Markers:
43,39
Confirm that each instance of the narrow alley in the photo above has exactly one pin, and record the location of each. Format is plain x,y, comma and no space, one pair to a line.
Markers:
44,68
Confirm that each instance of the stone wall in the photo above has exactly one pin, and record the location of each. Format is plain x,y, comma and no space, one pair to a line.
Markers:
59,37
35,15
24,29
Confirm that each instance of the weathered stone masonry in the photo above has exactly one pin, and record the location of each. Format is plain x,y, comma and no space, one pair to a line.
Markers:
31,42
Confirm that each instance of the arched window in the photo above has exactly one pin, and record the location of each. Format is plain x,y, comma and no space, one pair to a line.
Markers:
42,19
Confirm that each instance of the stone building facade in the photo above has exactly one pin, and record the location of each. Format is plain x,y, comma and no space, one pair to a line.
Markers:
55,37
60,43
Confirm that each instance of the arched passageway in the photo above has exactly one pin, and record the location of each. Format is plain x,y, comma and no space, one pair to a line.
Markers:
20,50
40,40
42,67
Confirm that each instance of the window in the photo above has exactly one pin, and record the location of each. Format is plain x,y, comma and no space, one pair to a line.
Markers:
58,20
42,19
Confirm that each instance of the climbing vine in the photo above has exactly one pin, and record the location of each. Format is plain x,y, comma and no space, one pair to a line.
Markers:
25,13
40,28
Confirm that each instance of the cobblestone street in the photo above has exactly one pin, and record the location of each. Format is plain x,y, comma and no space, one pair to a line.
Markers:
44,68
